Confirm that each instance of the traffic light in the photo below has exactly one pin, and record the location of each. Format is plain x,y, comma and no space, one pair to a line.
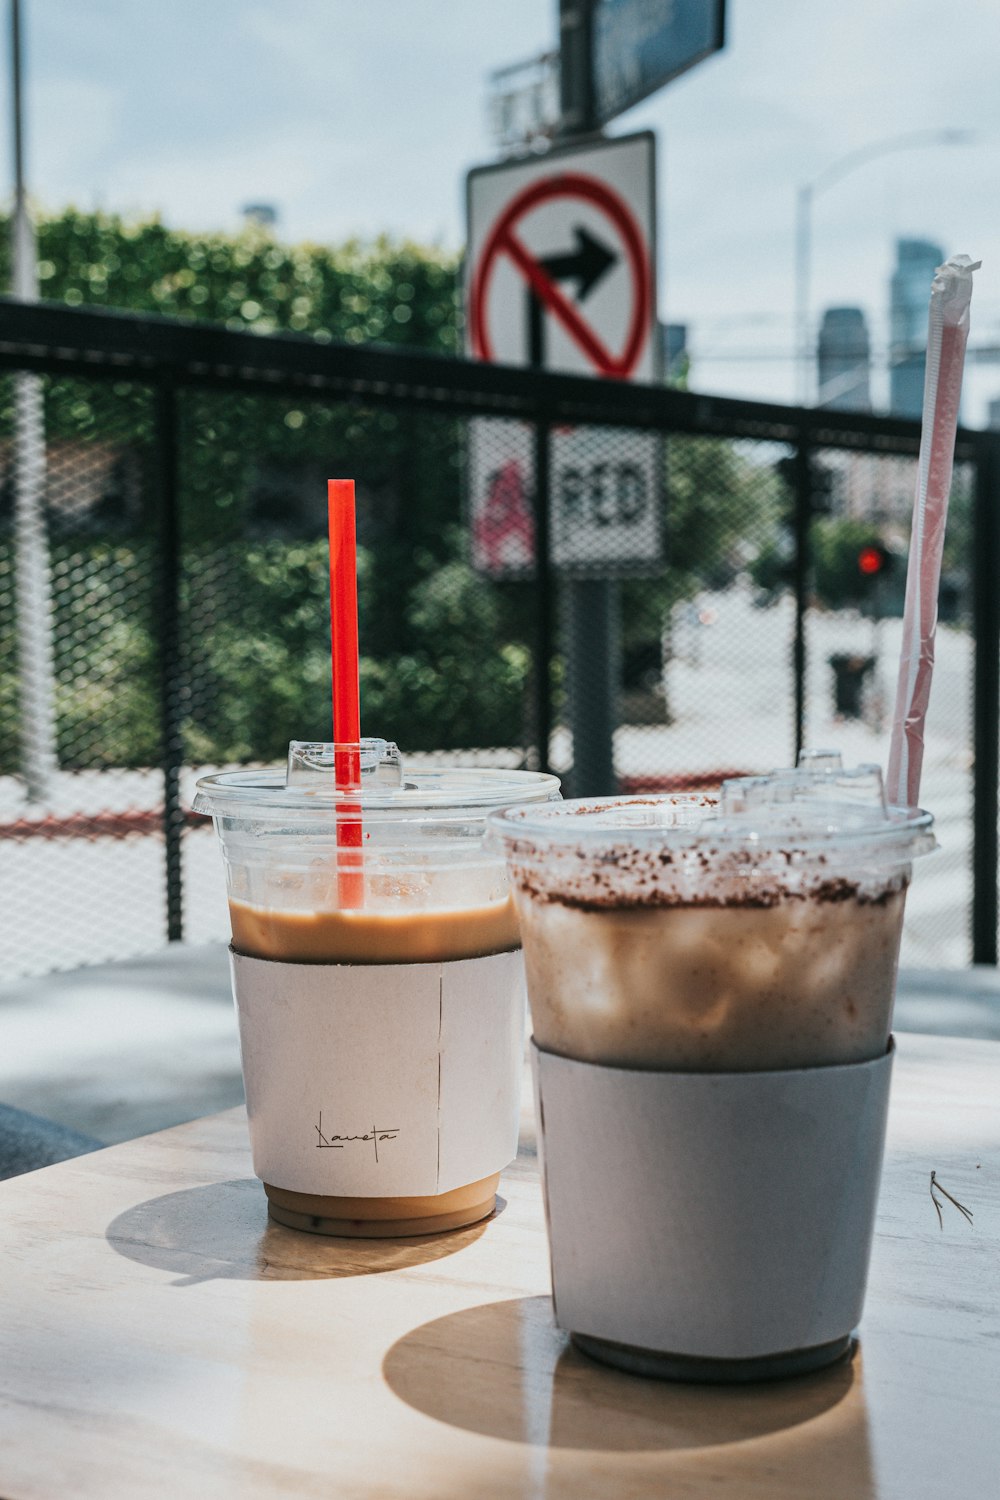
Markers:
874,560
821,483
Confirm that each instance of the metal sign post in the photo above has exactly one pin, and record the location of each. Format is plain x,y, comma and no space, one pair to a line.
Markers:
560,276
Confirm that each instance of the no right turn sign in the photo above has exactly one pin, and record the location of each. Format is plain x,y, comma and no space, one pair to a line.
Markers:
602,259
560,276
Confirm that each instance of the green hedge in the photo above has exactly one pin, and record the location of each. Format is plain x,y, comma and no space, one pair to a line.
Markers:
386,291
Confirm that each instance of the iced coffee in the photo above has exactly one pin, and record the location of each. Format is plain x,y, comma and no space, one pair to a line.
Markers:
405,1003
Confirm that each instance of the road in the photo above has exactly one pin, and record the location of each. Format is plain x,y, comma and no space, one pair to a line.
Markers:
72,901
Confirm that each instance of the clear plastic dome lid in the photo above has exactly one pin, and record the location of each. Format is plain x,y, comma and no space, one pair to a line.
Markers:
818,809
308,784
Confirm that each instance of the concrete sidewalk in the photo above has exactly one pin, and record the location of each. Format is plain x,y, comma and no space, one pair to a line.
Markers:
123,1049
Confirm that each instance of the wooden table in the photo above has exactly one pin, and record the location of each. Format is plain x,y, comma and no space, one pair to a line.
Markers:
158,1337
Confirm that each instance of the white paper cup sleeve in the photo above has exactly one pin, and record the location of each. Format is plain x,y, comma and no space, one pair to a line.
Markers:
381,1080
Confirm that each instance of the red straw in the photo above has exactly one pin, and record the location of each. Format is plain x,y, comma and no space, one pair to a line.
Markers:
346,698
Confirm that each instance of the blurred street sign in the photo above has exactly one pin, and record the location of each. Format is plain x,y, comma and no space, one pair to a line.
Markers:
524,102
639,45
560,275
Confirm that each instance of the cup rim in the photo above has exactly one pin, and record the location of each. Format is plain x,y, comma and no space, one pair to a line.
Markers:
586,824
263,794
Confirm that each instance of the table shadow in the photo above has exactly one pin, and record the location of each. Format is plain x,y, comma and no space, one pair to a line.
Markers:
504,1370
221,1232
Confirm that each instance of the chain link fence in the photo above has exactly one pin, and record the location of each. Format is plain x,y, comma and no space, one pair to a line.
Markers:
700,595
81,865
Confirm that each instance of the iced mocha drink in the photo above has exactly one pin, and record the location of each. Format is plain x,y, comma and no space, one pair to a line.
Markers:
711,983
657,934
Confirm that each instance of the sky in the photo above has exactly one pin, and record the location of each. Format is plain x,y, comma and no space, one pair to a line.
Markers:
362,117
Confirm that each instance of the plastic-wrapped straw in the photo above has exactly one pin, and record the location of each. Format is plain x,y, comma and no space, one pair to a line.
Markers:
948,331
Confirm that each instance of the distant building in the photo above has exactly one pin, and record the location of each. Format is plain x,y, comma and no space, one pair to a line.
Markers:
993,414
871,488
844,354
675,350
263,215
916,262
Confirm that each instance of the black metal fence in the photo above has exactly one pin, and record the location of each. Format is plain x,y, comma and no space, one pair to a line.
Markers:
635,586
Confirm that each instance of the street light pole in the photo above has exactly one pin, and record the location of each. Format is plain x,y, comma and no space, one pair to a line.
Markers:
36,668
803,254
805,197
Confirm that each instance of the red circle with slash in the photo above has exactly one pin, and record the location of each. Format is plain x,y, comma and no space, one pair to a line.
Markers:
503,240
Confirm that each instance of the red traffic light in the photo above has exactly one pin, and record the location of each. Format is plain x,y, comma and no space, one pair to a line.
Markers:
872,560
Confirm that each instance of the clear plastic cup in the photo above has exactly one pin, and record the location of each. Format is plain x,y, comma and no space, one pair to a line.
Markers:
416,891
711,980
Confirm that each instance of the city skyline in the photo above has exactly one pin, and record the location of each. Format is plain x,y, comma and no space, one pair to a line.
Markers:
354,123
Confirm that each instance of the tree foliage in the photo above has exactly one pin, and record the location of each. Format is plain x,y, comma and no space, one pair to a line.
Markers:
395,293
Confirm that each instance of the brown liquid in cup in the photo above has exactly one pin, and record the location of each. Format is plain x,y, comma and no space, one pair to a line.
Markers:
728,987
373,937
377,937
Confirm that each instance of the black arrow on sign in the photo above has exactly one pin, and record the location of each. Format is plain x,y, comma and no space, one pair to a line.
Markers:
588,264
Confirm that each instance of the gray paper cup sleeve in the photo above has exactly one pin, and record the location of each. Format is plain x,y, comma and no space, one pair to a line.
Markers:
722,1216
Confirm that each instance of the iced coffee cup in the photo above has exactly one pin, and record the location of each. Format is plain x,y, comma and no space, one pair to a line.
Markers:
379,987
711,981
